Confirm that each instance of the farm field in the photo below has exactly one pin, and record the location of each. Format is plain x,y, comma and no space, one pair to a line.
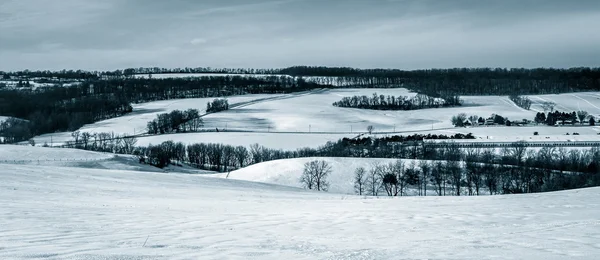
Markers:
309,119
82,212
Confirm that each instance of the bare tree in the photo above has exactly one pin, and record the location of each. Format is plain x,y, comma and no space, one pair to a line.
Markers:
75,136
360,180
425,173
129,144
459,120
456,175
374,180
438,177
518,151
241,154
370,129
315,175
390,183
548,106
474,119
582,115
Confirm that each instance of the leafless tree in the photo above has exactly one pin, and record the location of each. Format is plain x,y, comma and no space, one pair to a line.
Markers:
315,175
455,175
425,174
548,106
582,115
360,180
473,119
370,129
459,120
374,179
129,144
241,154
518,151
438,176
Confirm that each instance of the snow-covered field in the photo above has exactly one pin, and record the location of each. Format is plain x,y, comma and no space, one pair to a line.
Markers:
287,172
135,122
299,114
84,213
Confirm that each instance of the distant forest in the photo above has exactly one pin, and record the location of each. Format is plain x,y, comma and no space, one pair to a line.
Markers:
108,94
457,81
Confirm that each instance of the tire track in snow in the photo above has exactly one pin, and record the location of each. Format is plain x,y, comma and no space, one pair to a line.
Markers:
586,101
557,104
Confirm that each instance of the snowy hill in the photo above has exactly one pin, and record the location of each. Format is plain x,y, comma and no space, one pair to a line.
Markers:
80,213
288,172
310,119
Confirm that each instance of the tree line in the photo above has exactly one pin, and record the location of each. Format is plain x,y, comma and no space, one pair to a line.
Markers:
381,102
552,118
514,169
471,178
460,81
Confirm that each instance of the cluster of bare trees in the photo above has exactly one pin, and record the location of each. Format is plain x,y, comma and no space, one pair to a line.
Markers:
381,102
215,157
523,102
393,179
446,168
102,142
467,177
176,121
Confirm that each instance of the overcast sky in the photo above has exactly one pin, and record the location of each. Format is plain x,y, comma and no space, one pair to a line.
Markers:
405,34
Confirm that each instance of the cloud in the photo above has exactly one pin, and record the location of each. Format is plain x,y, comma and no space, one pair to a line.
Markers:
197,41
408,34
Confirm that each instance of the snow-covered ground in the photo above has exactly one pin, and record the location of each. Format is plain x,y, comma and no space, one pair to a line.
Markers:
313,112
316,113
287,172
136,122
62,157
83,213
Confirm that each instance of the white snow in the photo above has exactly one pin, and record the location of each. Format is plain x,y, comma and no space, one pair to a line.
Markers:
301,113
28,153
287,172
82,213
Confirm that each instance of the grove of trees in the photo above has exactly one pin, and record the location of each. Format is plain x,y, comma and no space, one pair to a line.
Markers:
176,121
523,102
381,102
219,104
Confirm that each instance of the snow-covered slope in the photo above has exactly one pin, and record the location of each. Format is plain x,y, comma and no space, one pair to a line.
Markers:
28,154
313,119
78,213
287,172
